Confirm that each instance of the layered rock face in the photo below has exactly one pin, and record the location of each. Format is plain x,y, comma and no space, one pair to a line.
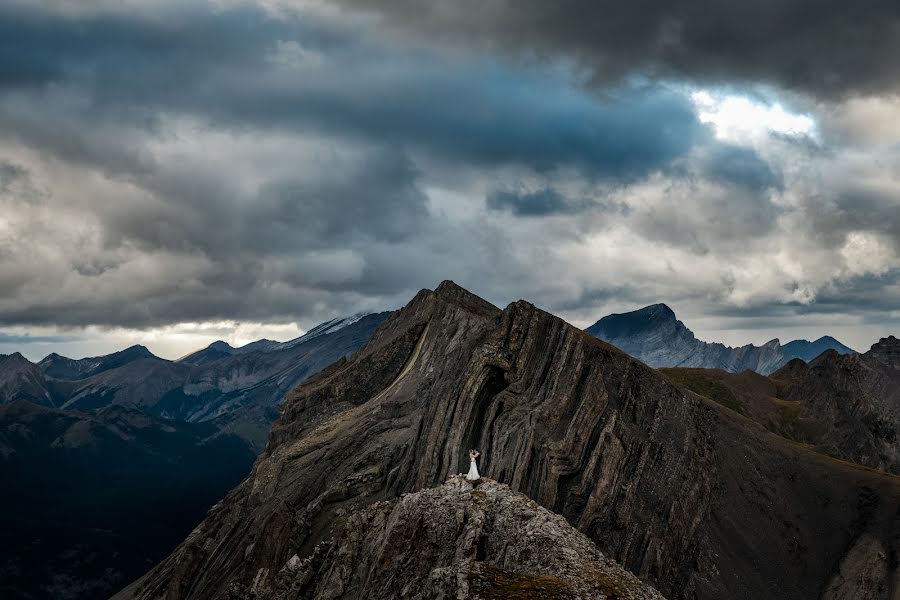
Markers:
692,498
887,352
479,542
656,336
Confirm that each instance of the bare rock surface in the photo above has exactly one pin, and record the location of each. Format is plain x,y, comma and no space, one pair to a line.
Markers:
460,541
694,499
849,405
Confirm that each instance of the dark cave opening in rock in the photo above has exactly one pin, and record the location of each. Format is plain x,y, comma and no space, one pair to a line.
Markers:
493,381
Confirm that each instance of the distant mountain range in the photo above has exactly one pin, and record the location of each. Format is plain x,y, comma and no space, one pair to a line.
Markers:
237,388
656,336
113,459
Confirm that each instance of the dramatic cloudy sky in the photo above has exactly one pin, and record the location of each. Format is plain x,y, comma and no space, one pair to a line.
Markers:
177,171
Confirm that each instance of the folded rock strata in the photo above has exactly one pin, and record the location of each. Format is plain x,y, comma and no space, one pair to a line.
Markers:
692,498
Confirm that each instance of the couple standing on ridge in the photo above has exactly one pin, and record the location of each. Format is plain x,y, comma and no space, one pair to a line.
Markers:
473,475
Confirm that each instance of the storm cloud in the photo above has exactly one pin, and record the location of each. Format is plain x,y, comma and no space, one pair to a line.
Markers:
825,47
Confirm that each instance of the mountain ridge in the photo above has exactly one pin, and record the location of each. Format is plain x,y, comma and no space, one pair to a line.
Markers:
655,335
242,387
63,367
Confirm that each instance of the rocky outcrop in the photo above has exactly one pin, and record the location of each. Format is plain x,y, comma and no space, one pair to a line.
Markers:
848,405
694,499
887,352
483,541
656,336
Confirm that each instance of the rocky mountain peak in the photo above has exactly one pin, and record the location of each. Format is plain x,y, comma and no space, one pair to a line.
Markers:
886,351
62,367
644,321
14,359
449,291
50,357
827,357
136,351
221,345
660,311
791,368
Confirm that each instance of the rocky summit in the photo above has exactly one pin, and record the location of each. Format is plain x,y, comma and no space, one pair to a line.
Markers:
694,499
481,541
887,352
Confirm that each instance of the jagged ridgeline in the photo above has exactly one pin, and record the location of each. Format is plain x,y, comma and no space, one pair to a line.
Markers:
694,499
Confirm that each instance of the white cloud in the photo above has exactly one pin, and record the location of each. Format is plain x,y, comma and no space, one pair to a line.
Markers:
740,119
867,253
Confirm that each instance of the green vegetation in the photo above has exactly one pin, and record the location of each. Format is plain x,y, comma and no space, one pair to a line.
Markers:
701,382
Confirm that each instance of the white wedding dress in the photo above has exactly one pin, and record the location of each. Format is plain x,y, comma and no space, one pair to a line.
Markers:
473,475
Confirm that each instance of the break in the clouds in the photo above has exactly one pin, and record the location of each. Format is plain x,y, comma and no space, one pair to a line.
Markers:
172,171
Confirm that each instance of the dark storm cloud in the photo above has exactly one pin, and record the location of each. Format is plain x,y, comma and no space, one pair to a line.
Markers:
868,297
7,339
829,47
496,118
329,202
126,55
11,173
381,199
740,166
862,206
240,68
538,203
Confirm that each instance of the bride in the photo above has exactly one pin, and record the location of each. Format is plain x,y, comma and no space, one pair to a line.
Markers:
473,475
